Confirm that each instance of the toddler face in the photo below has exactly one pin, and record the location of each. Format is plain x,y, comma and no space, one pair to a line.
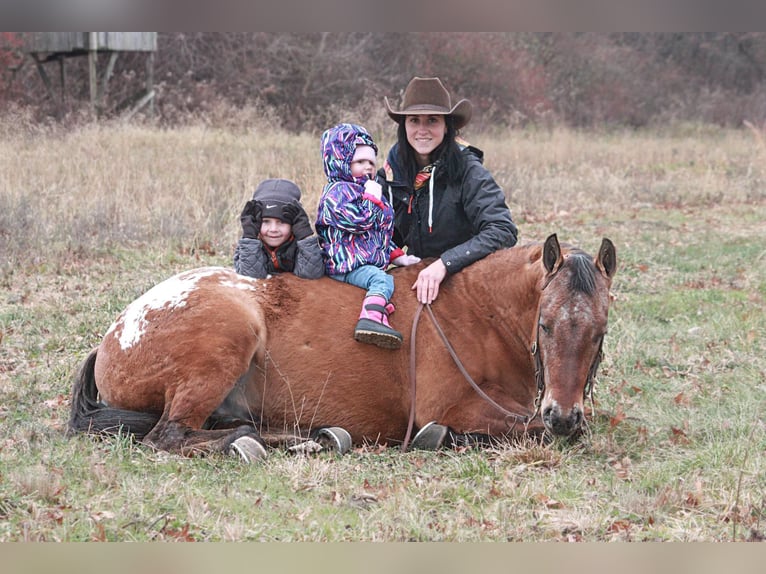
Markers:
274,232
364,162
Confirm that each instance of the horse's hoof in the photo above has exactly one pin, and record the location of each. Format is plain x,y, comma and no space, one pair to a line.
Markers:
248,449
336,439
430,437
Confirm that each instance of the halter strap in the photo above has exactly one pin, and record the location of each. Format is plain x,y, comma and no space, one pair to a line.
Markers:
540,375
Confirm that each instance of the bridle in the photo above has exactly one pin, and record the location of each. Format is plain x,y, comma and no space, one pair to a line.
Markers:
540,376
539,371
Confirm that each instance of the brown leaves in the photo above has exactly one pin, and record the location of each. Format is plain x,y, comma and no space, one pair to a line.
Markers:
547,501
619,526
678,435
55,402
622,467
682,399
178,534
616,418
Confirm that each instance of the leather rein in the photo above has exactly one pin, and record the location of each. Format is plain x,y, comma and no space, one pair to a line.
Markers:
539,372
525,419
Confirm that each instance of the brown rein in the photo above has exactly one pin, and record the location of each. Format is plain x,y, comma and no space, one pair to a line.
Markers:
413,374
539,373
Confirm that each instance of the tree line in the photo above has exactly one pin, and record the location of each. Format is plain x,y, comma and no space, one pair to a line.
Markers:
512,78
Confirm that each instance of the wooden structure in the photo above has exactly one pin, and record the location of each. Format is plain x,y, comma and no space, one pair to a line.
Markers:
47,47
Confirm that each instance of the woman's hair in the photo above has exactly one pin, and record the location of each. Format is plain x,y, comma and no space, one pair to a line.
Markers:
448,154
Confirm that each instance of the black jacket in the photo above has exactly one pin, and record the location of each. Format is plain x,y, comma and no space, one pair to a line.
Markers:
302,257
470,219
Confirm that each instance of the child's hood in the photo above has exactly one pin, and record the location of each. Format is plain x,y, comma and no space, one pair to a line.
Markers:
338,147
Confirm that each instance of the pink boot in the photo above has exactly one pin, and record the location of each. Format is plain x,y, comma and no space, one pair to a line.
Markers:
373,326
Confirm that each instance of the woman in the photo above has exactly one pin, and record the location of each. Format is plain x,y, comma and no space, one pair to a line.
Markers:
447,205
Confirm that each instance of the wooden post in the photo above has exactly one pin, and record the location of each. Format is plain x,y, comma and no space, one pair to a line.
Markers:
150,82
44,76
105,80
62,75
92,69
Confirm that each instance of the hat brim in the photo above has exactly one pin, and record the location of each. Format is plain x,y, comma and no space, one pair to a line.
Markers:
461,112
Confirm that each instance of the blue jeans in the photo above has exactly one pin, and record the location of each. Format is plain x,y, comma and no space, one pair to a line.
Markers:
374,279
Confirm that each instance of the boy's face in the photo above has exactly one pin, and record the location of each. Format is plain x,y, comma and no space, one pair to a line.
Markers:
363,162
275,232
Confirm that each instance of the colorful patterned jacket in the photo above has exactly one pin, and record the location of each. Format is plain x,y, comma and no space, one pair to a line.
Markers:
354,228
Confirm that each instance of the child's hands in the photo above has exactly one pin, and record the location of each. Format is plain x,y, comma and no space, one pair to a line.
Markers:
373,188
404,260
251,219
296,216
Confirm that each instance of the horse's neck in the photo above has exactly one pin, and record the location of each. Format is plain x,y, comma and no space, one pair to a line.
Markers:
506,285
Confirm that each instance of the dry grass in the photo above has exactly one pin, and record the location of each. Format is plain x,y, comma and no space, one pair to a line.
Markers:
98,186
93,216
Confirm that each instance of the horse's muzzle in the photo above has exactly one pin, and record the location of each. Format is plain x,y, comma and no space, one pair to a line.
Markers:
562,423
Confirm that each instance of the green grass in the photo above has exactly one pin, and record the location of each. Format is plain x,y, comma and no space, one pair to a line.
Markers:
676,450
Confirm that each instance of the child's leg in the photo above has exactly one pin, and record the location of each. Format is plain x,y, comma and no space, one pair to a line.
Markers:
373,326
373,279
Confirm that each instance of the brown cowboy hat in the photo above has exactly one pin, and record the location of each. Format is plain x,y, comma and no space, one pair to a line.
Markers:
429,96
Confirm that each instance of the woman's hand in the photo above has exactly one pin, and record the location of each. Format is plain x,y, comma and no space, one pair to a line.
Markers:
427,284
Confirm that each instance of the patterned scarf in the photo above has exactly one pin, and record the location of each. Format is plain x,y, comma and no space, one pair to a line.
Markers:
424,175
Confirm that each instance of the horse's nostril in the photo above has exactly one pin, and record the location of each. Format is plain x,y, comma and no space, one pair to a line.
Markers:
547,411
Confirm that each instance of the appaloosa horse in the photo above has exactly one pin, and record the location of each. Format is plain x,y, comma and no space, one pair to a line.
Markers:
209,360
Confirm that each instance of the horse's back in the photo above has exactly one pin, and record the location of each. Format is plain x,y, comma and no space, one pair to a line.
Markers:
315,374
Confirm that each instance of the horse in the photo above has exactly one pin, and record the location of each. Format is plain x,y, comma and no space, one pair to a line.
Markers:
211,361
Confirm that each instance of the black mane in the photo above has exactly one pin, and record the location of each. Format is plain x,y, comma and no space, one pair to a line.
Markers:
583,277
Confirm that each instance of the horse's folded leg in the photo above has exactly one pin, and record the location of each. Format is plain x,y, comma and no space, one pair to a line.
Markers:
280,439
176,437
430,437
248,449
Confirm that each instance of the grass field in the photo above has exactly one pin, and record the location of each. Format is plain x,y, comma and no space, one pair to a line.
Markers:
93,216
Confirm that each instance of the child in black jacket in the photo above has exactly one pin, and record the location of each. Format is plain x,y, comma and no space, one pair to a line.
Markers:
276,234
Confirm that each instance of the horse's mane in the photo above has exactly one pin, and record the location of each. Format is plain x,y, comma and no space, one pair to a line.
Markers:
583,277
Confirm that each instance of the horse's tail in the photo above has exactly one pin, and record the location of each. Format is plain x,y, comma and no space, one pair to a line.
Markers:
88,414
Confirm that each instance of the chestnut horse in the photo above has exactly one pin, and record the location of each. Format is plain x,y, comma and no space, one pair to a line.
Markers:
209,360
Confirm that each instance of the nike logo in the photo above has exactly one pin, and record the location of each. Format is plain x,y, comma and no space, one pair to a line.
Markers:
271,206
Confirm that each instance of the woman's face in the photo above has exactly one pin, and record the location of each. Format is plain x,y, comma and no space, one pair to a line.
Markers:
425,133
274,232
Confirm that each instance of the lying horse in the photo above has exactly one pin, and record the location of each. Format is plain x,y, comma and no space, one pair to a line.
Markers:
209,360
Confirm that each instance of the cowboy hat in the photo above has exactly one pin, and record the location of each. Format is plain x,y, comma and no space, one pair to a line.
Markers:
429,96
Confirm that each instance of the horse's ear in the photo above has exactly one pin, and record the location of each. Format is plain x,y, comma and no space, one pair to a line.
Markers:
607,258
551,253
